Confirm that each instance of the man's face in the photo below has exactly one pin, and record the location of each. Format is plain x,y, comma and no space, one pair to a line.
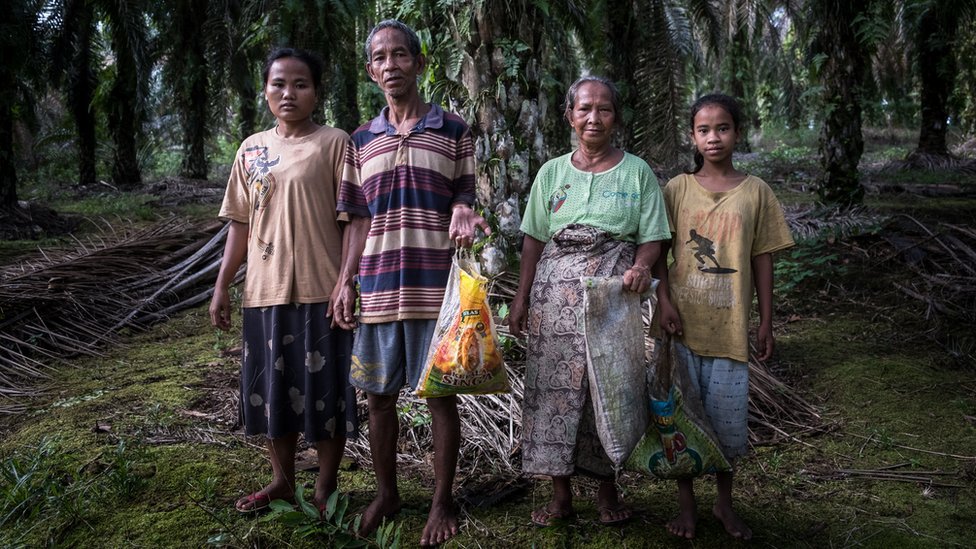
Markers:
392,66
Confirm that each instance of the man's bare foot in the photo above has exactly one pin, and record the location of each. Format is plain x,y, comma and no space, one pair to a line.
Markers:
684,524
376,511
732,523
442,525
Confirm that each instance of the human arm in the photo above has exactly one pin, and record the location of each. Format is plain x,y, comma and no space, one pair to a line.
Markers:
762,274
464,220
668,316
638,277
342,306
519,310
235,250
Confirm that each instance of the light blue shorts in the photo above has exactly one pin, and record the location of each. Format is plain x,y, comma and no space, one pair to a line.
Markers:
387,356
724,387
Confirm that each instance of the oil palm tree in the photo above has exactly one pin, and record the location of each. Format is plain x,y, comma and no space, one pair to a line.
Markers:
184,28
72,66
935,27
839,54
20,51
125,23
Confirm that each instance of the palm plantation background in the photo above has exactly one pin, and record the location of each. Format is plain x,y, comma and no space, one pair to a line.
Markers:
124,90
861,115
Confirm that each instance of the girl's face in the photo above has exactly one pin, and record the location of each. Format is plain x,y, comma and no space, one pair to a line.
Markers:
592,115
714,134
289,91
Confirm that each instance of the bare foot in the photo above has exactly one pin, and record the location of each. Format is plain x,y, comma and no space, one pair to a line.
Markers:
684,524
546,516
442,525
376,511
260,500
732,523
612,510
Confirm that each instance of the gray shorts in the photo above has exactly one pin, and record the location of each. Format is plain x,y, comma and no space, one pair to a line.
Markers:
387,356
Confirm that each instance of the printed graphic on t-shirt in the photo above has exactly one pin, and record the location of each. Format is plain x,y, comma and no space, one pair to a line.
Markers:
704,248
557,198
261,182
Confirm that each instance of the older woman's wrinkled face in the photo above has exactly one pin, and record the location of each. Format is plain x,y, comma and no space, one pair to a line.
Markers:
593,116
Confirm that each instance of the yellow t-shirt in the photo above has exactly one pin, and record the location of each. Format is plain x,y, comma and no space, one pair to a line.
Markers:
285,190
716,235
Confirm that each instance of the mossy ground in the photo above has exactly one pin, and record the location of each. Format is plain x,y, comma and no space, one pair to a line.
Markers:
142,429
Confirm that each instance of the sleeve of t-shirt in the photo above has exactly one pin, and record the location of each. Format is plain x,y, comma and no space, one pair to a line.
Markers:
535,222
351,201
772,232
653,224
464,171
237,204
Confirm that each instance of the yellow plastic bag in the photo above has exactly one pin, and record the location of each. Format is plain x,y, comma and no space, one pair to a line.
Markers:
464,357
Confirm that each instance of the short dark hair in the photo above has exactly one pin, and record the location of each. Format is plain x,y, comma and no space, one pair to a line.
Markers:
726,102
312,61
614,94
413,41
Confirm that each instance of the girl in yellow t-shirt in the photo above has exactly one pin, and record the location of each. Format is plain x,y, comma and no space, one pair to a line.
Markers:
726,225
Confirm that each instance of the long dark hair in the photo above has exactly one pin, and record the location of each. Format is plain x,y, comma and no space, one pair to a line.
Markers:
311,60
728,103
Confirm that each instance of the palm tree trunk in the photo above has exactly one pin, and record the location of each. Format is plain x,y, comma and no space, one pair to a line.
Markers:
842,74
123,122
937,70
8,166
195,101
81,92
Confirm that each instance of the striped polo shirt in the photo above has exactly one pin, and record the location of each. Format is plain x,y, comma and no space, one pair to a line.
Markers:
406,185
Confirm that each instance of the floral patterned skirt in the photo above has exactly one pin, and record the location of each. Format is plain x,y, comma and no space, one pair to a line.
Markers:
295,374
558,426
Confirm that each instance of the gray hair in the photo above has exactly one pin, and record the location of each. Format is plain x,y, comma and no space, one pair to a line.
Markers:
574,89
413,41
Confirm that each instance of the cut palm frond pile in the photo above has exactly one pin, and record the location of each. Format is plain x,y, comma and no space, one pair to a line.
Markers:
808,221
74,302
943,260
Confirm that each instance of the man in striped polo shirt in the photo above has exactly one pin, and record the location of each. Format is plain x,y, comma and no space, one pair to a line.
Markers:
407,191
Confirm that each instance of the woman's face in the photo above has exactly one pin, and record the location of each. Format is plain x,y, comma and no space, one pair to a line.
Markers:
593,116
289,91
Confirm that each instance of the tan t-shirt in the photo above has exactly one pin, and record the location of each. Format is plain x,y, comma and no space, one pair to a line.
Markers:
716,235
285,190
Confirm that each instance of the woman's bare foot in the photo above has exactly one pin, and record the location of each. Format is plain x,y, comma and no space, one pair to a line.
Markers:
260,500
732,523
548,515
442,524
684,524
376,511
611,509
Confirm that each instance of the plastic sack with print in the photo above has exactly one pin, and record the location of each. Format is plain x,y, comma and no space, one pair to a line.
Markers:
464,356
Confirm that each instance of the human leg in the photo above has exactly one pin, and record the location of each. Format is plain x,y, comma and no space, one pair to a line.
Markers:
561,505
281,451
329,455
612,510
384,428
684,524
723,508
442,523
